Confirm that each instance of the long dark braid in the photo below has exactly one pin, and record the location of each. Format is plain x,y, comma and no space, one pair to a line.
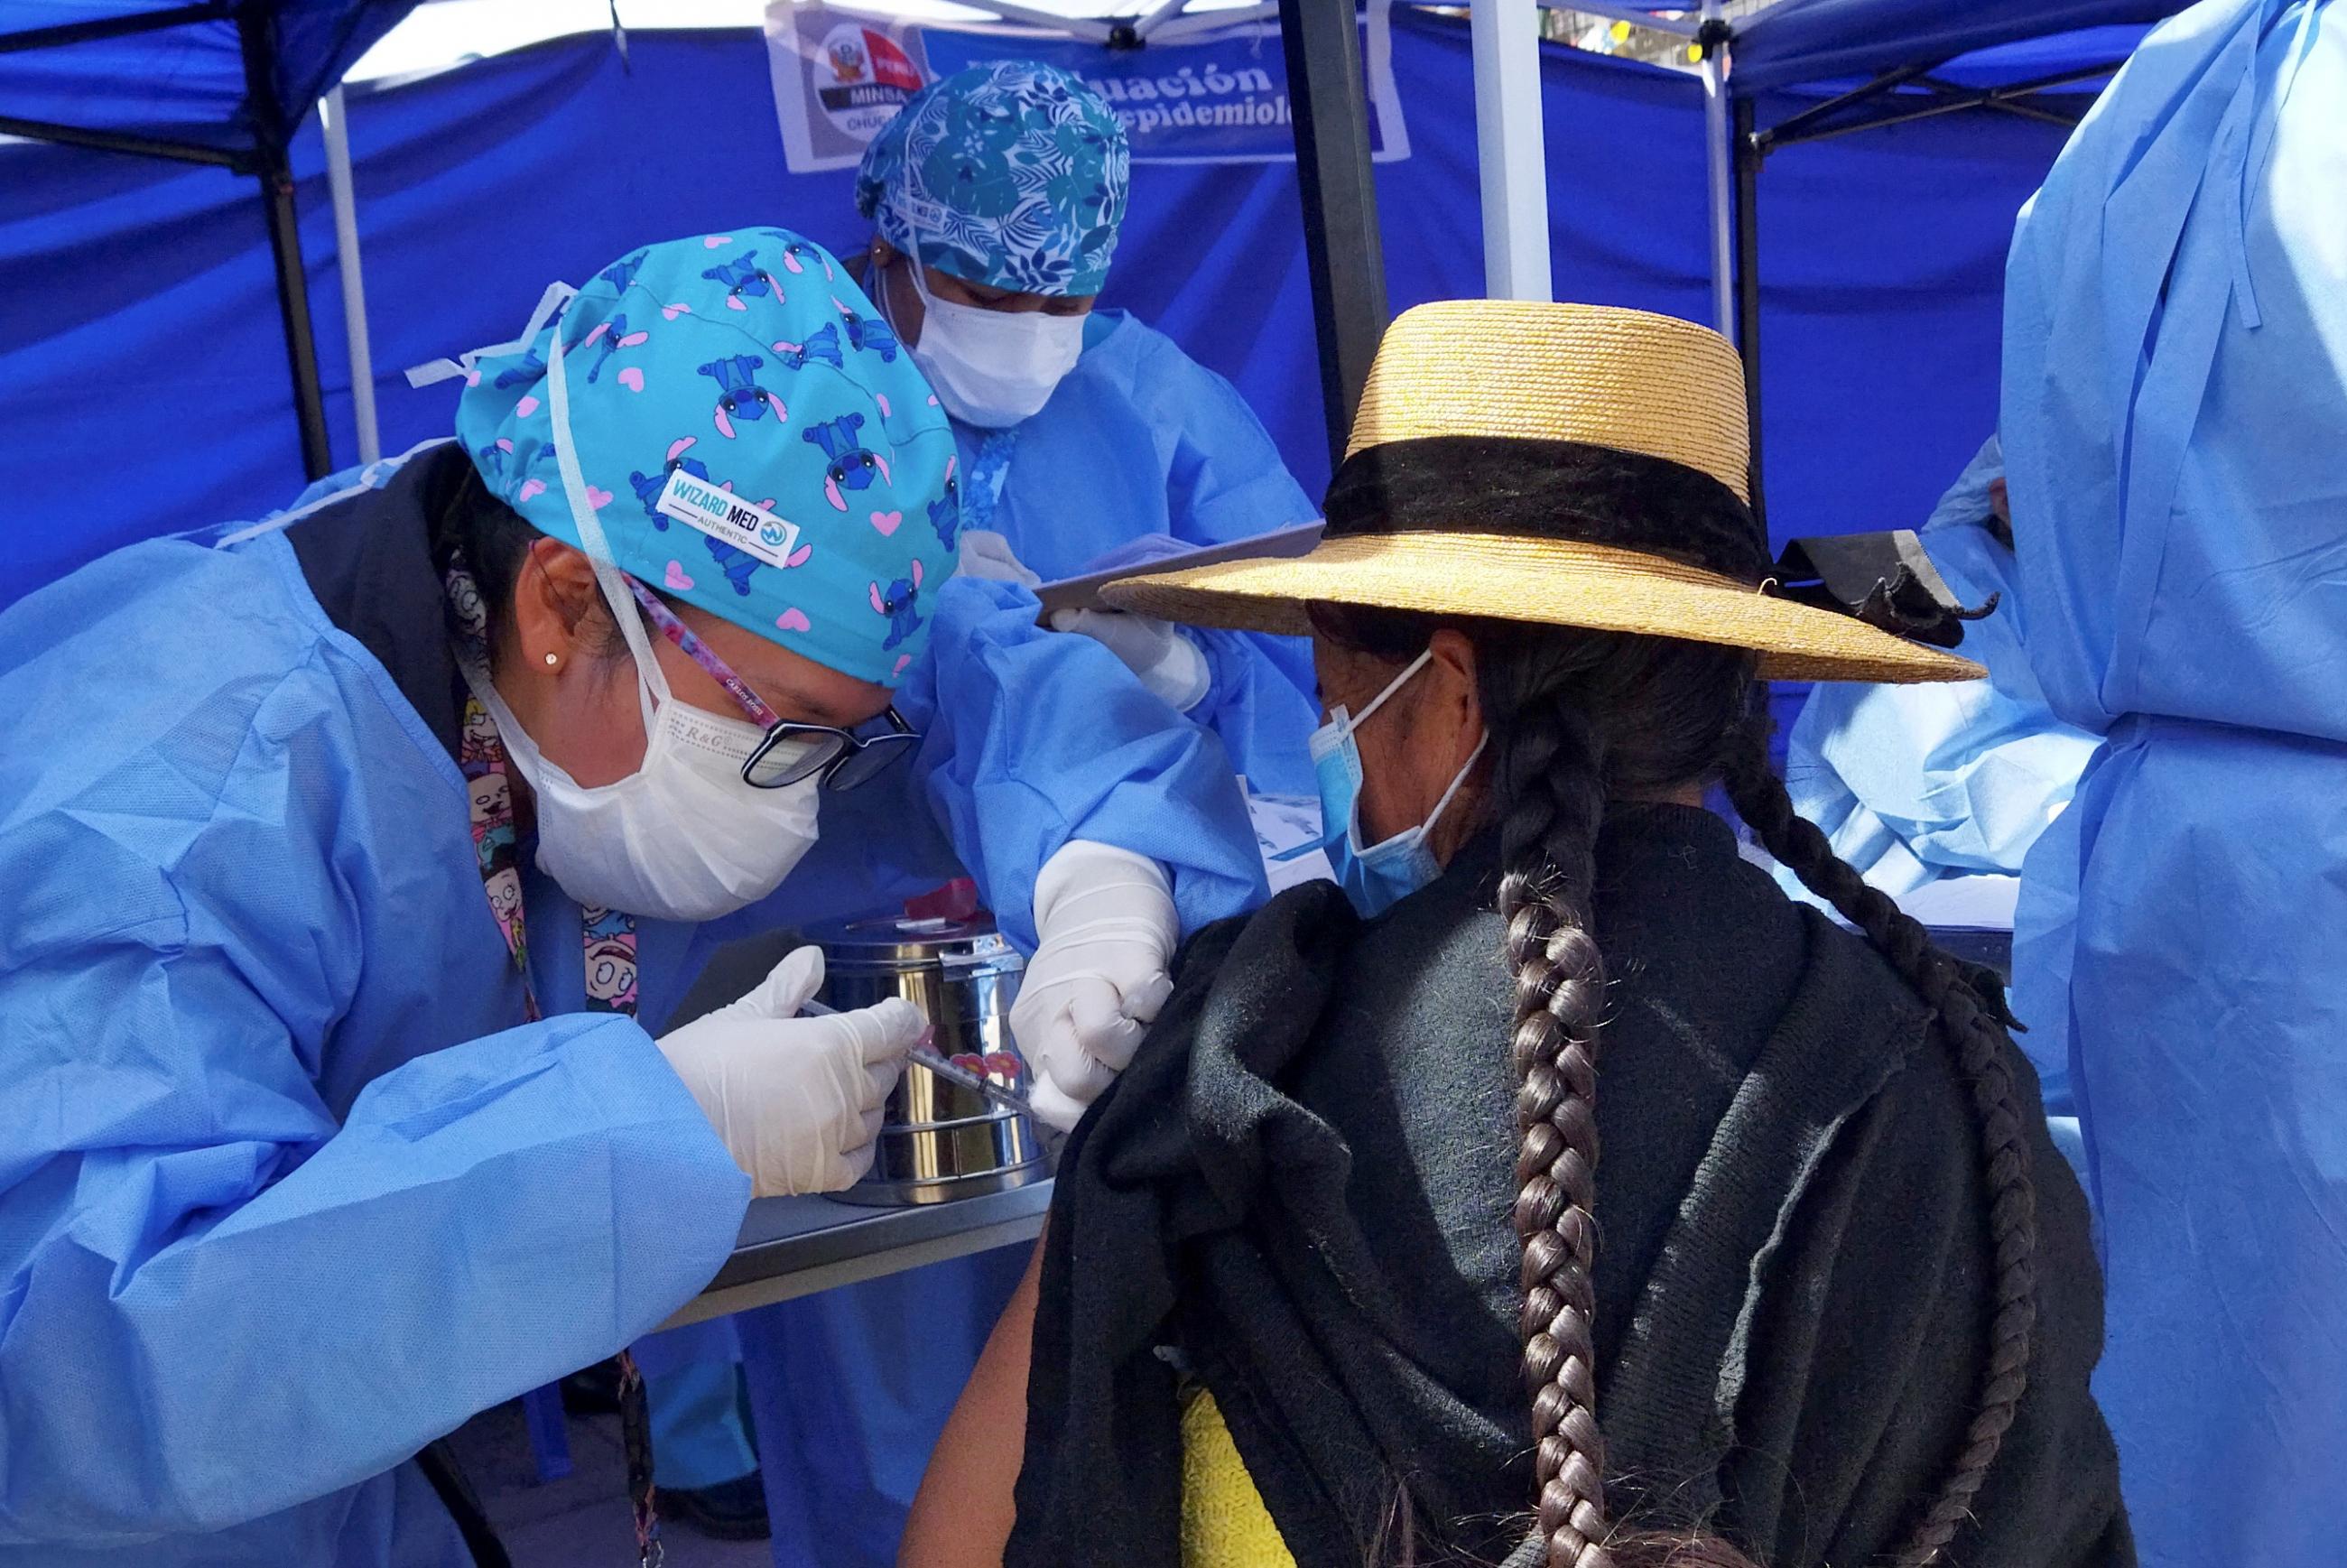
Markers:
1575,719
1549,769
1972,1033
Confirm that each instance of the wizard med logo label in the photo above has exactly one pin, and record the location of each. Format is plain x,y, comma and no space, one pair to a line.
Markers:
724,516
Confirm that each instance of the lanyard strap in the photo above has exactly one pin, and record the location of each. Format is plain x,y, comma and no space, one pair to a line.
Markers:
609,961
607,936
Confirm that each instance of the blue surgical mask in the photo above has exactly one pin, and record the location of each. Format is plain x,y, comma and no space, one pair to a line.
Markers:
1379,875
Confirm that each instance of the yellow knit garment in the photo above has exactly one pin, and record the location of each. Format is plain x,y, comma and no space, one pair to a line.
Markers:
1223,1521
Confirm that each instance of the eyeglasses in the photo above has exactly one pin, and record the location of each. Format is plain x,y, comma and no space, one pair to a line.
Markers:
791,752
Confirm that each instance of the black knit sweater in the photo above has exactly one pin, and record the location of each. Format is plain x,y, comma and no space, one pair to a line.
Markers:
1299,1196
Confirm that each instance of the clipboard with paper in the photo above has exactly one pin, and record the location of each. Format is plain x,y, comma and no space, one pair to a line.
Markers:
1082,593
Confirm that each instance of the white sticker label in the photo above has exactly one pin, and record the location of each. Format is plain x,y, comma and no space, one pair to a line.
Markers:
723,515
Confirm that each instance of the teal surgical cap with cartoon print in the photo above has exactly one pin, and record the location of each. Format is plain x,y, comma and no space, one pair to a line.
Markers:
1011,175
749,437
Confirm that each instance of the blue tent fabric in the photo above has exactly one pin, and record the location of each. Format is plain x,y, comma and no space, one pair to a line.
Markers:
183,83
1798,41
1883,257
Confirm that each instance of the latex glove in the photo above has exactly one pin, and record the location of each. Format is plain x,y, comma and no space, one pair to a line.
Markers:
986,554
1107,931
1166,661
796,1099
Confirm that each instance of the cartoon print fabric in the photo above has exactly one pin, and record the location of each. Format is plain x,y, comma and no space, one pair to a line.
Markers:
753,439
1011,175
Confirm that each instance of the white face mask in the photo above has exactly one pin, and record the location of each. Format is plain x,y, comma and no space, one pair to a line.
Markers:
685,836
992,369
680,839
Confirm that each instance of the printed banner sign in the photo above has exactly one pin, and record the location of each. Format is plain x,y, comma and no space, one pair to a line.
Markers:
1217,97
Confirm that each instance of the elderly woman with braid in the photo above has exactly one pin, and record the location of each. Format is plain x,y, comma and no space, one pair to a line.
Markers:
1323,1284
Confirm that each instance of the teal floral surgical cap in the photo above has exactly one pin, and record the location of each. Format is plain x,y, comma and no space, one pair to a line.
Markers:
1010,175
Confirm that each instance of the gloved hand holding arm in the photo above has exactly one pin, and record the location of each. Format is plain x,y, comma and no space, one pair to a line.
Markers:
1033,739
1109,930
797,1100
1258,693
1166,660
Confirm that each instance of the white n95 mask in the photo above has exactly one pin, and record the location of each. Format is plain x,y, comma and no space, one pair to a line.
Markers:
992,369
685,836
680,839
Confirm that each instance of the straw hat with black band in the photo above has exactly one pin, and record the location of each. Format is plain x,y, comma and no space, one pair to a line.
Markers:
1473,401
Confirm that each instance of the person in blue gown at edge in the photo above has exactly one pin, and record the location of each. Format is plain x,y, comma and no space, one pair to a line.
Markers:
2174,398
1939,795
1086,439
355,859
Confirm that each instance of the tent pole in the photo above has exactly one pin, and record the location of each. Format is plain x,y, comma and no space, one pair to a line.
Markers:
121,142
1509,150
271,134
1747,286
293,306
1715,156
126,27
1342,246
333,121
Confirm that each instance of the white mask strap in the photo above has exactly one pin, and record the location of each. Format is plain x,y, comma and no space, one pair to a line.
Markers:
556,296
1393,686
652,684
920,285
1457,779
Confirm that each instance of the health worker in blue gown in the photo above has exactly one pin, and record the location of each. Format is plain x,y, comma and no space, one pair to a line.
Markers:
1918,787
1086,438
353,862
1940,795
2175,422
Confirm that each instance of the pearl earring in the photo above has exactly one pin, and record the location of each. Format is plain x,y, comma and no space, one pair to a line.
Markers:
552,659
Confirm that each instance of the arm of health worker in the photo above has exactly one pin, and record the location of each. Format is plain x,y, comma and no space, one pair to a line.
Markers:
220,1300
1225,481
1260,694
1034,739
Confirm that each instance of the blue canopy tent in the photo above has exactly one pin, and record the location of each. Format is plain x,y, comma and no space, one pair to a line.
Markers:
1799,42
1917,59
218,82
136,295
1866,62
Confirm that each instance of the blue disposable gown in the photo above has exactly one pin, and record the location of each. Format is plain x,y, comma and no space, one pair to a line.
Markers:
2175,387
1140,451
1921,787
1916,784
286,1190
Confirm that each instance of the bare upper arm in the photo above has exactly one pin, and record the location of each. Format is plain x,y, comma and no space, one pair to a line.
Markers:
962,1515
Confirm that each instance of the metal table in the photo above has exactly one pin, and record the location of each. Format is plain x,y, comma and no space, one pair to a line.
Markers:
791,1247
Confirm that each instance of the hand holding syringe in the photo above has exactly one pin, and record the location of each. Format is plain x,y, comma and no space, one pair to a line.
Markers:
926,1052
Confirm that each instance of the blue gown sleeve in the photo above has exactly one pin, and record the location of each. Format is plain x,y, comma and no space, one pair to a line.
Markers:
1033,738
220,1295
1226,481
1914,784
